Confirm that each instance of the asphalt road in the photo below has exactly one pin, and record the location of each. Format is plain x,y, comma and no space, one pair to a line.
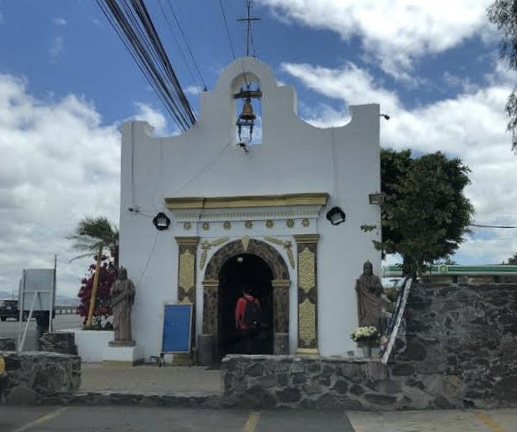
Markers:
140,419
147,419
11,328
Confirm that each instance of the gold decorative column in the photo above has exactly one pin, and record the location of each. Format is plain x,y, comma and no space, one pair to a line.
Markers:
187,251
187,248
307,294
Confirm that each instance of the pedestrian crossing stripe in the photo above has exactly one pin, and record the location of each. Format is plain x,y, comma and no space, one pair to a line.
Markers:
2,365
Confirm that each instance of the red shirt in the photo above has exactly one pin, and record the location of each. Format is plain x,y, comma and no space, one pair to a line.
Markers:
239,311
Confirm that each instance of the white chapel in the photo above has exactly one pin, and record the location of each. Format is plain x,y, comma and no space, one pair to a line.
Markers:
283,216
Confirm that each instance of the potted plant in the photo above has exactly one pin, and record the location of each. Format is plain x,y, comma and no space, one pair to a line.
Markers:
366,337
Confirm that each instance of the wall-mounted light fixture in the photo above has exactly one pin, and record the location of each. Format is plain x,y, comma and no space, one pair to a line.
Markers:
386,116
376,198
336,216
161,221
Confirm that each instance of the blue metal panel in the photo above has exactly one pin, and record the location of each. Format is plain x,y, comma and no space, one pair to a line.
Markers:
177,325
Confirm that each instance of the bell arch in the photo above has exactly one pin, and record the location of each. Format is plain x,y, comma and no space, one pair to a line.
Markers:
281,283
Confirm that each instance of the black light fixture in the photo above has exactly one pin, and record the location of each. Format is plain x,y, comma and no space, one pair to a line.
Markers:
386,116
336,216
376,198
161,221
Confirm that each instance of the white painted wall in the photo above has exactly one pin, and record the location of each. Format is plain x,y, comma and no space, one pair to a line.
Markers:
294,157
91,344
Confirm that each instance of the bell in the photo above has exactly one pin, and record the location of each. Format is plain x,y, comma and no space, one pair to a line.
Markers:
247,111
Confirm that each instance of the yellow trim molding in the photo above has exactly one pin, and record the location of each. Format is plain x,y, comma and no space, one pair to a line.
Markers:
307,352
286,200
187,241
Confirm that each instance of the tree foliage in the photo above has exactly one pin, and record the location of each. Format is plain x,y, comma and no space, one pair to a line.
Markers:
94,233
425,212
503,13
93,237
512,260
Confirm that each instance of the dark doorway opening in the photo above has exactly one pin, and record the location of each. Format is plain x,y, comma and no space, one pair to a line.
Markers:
253,271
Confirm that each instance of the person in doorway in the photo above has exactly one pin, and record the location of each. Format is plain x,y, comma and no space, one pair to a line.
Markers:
247,319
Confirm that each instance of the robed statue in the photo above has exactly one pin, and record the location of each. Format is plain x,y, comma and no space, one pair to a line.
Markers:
369,298
122,299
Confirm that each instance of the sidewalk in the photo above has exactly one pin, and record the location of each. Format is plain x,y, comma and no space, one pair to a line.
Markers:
193,387
149,379
502,420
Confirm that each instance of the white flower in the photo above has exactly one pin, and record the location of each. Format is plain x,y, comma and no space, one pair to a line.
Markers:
364,333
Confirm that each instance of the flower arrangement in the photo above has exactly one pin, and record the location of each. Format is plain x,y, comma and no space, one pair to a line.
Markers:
365,334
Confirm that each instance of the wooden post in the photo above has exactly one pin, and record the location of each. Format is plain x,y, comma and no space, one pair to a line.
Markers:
95,287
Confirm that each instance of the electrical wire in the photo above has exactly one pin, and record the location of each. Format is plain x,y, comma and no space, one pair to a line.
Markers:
227,29
202,170
493,226
148,259
133,24
187,44
176,40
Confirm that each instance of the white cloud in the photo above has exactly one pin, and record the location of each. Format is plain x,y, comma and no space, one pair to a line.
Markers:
193,90
59,22
155,118
58,164
350,84
56,48
471,126
395,32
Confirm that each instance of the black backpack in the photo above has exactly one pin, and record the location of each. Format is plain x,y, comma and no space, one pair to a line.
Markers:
252,313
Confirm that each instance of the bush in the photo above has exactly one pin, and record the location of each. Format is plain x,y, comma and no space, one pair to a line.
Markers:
102,311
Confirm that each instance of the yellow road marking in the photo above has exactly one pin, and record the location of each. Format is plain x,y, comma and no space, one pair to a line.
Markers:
490,422
251,423
42,420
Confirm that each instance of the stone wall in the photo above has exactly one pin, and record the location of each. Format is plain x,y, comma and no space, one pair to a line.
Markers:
58,342
460,352
7,344
40,376
468,335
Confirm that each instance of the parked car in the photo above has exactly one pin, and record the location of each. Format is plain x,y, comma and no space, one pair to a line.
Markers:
3,377
9,309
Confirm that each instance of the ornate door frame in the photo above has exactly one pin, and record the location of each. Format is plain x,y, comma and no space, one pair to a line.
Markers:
281,283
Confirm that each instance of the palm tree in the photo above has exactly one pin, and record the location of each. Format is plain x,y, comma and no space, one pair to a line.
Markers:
92,236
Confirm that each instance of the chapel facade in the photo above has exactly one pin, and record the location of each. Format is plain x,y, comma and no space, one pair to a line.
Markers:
283,216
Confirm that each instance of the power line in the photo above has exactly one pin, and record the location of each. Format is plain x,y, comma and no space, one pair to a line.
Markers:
227,29
176,40
493,226
133,24
186,43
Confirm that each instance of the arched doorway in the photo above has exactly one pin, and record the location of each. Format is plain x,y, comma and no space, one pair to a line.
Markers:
254,272
280,287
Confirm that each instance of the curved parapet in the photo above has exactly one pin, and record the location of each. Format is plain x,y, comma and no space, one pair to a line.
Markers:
244,70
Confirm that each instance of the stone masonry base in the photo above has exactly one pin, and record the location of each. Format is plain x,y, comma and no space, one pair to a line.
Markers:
265,382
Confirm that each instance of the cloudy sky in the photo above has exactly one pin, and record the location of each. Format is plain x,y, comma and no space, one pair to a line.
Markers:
67,82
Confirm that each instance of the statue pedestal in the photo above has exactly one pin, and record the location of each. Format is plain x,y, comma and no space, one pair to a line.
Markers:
123,355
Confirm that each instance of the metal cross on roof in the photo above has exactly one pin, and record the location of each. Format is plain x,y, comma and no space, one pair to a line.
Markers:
249,19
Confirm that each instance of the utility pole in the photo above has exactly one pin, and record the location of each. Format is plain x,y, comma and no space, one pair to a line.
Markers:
249,19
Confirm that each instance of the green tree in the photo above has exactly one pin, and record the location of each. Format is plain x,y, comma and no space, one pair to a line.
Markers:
446,261
503,13
425,212
512,260
93,236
